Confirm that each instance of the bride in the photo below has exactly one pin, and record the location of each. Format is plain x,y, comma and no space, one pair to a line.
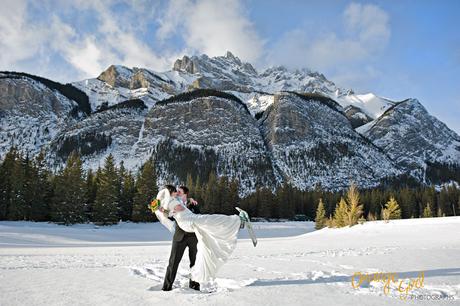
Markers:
217,234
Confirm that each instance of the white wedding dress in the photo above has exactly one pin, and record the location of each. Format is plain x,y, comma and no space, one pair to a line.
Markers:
217,235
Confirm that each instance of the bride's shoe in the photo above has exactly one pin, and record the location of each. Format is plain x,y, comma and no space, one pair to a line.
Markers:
243,217
246,221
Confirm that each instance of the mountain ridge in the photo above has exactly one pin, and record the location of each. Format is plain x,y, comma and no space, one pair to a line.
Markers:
279,125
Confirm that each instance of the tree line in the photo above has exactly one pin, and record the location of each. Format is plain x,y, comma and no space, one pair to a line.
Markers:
349,211
30,191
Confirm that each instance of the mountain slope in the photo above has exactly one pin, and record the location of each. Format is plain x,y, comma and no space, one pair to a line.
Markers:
33,111
220,114
204,134
412,137
308,148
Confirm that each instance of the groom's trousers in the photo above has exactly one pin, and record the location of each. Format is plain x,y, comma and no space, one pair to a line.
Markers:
177,251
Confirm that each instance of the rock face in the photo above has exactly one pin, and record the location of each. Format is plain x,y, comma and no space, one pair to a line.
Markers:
31,113
308,148
187,65
412,137
115,130
208,134
116,76
356,116
220,114
221,72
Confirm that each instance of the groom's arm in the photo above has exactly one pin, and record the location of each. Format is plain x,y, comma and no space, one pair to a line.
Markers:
193,206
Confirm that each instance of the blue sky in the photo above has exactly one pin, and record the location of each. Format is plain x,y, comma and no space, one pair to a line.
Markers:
395,49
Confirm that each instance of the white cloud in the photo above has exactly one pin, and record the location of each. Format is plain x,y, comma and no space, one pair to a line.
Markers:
115,41
205,26
212,27
19,38
366,35
368,21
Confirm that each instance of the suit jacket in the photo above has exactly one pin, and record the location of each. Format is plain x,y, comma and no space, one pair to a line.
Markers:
179,234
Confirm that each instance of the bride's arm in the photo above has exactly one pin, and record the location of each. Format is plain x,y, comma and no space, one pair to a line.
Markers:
170,225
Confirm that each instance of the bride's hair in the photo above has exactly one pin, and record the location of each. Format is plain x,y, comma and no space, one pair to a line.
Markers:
171,188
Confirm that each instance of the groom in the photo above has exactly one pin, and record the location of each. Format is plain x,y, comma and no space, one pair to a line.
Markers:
181,240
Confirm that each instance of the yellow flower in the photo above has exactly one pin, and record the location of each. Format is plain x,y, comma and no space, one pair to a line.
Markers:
154,205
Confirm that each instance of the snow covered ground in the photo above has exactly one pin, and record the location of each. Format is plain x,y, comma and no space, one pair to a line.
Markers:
47,264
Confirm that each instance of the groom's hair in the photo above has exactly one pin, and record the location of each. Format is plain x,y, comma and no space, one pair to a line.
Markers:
185,189
171,188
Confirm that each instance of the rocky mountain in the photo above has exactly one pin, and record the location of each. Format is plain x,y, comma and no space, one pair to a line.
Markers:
412,137
307,146
220,114
33,110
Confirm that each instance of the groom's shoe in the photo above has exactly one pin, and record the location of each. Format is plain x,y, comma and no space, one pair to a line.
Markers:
194,285
166,289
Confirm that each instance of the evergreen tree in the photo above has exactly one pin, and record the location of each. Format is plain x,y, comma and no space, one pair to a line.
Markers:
458,206
121,174
443,200
222,201
6,177
90,192
439,213
127,196
427,213
249,203
210,196
197,193
428,195
371,217
354,209
17,208
340,214
391,210
320,219
29,186
189,184
105,208
377,202
40,189
146,191
233,197
406,202
330,222
266,203
283,207
67,205
228,196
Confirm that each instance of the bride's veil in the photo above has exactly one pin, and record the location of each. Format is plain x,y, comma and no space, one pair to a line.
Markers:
164,196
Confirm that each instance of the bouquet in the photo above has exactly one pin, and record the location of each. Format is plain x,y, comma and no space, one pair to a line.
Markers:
154,205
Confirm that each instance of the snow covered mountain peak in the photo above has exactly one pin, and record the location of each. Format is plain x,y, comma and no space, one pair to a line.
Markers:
116,75
295,131
370,104
224,65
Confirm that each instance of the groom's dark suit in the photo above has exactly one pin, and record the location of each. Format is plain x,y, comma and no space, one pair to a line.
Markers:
181,240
